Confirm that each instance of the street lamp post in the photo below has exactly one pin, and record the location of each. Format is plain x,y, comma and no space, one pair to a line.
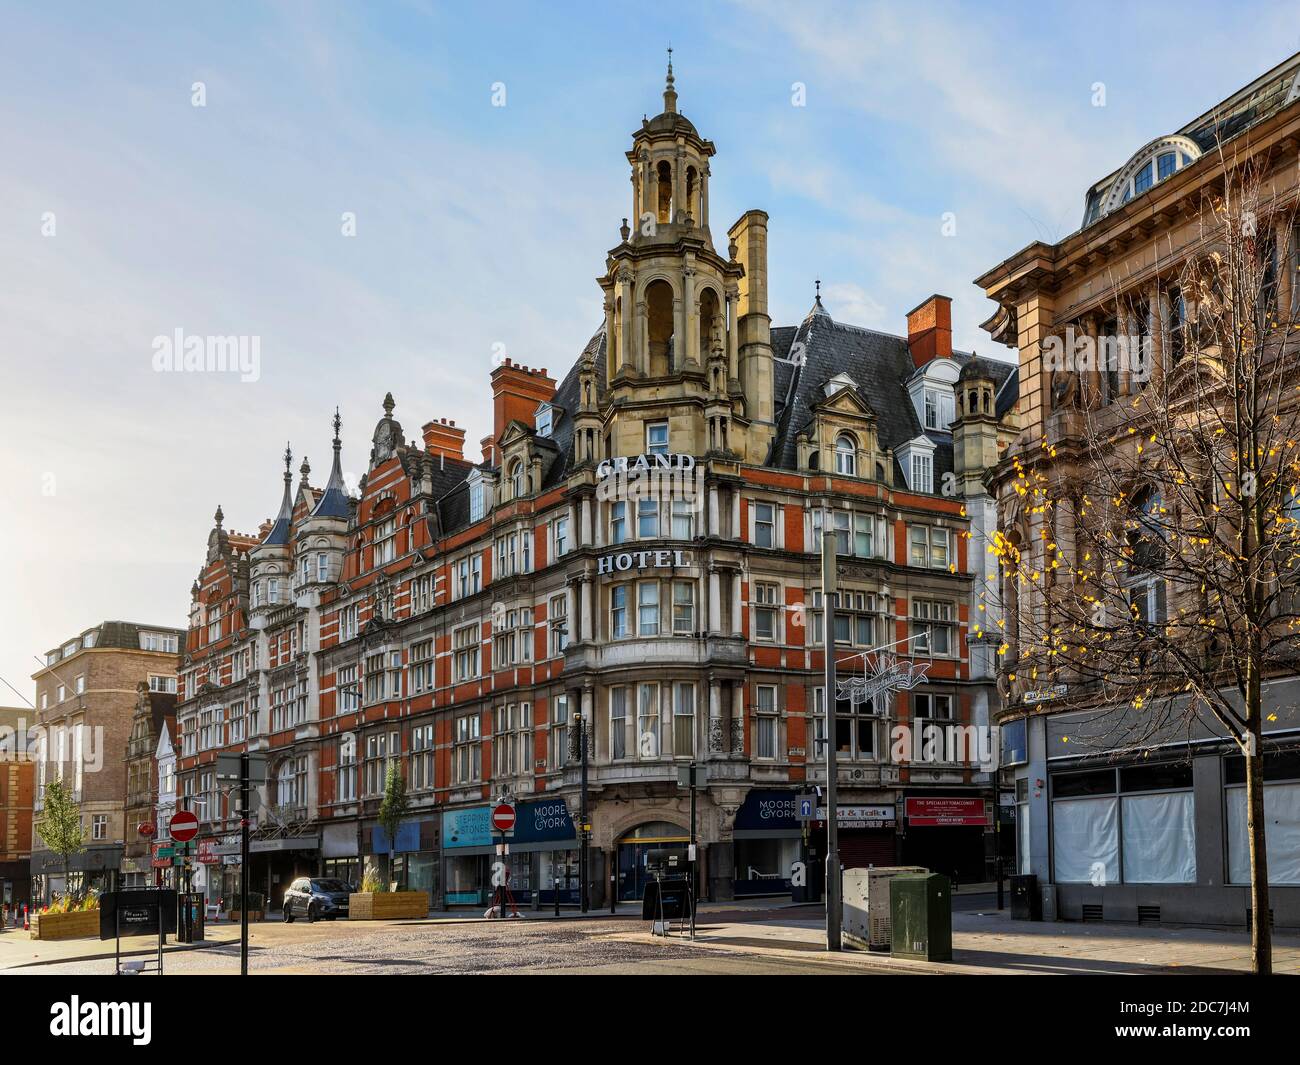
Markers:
829,586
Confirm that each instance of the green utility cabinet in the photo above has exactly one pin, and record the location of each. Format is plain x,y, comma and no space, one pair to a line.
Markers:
920,913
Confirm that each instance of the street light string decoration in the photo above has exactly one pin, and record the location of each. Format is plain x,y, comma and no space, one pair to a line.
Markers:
881,672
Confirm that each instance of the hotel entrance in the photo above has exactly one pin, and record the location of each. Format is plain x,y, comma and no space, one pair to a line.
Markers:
632,851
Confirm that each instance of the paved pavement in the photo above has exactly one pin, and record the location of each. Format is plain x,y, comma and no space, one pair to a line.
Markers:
757,938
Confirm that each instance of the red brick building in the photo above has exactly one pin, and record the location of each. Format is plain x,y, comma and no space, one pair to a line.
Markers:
17,780
636,544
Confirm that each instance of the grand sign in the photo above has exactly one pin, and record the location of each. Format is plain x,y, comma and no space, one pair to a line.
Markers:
644,464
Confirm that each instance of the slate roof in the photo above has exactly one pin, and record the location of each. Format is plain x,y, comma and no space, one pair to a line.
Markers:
879,363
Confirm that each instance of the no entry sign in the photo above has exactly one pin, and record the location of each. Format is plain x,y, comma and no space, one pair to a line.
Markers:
503,817
184,826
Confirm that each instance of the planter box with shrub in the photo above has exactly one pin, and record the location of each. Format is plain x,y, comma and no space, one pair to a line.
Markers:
387,905
82,924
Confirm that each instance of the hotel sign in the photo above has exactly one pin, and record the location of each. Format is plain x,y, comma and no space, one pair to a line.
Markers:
645,464
622,561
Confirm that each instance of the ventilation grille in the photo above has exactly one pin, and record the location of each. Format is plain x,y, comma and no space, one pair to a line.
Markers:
1092,911
1148,915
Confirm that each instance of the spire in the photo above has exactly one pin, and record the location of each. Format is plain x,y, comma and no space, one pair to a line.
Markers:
333,502
670,94
279,533
817,307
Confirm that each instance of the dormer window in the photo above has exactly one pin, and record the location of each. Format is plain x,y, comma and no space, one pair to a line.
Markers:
477,497
1153,164
544,420
846,455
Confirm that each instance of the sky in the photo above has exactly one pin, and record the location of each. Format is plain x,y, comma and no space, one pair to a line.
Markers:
351,195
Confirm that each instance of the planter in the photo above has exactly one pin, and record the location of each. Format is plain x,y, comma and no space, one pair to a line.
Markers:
253,915
387,906
83,924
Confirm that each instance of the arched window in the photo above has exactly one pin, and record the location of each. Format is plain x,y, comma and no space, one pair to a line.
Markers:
517,478
846,455
664,173
659,326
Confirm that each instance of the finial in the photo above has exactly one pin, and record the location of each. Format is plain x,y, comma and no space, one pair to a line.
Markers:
670,93
338,424
288,461
624,230
388,405
305,469
818,283
218,516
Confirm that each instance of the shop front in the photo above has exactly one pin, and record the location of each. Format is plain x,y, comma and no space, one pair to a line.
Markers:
275,863
866,835
768,841
949,834
542,854
412,859
636,846
341,853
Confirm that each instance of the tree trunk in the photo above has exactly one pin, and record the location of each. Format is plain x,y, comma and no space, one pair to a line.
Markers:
1261,931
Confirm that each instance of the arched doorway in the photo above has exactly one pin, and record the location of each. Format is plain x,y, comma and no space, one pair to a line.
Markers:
633,847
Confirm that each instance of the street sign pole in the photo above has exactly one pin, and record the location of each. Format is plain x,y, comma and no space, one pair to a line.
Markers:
695,881
243,864
582,828
829,588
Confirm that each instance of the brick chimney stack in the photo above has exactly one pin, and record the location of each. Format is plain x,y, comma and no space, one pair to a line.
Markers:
488,444
929,330
443,438
516,392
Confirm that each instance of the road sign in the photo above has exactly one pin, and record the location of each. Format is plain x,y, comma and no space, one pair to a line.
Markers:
184,826
162,856
807,807
147,830
503,817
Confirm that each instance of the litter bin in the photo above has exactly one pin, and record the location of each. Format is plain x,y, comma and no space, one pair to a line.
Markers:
920,915
1026,902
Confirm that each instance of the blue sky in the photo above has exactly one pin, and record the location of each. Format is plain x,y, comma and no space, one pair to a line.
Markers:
478,226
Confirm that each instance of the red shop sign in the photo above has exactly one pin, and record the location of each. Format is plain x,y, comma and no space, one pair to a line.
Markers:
946,811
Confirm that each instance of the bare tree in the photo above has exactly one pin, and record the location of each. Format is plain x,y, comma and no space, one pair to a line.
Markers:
1150,564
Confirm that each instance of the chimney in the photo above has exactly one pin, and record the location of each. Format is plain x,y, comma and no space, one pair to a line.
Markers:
488,443
444,439
516,392
929,330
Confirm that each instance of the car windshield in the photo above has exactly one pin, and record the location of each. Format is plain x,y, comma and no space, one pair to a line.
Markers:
329,885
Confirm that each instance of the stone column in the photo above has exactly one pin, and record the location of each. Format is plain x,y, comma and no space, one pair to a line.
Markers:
713,510
737,604
679,333
690,345
738,717
627,357
735,531
732,331
717,740
715,601
585,529
587,627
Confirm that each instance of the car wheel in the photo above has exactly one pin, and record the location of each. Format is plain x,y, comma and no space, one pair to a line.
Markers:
311,912
288,914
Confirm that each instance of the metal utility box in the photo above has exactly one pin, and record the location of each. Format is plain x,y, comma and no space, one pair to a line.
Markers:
1026,901
866,904
920,912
